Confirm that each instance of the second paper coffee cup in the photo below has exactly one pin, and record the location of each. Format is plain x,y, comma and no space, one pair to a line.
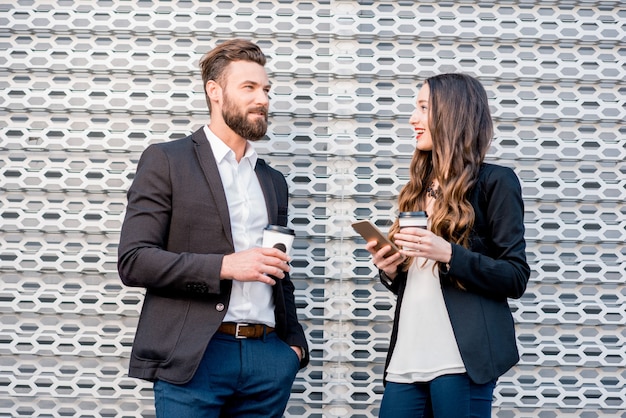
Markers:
417,219
278,236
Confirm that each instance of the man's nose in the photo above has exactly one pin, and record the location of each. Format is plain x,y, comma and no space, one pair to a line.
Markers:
262,97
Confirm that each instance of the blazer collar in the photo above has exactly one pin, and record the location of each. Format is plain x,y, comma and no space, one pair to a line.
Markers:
269,190
212,175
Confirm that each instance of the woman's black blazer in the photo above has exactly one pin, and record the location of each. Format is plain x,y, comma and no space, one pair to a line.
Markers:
492,269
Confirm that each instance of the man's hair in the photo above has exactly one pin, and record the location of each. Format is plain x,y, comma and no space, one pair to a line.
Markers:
213,64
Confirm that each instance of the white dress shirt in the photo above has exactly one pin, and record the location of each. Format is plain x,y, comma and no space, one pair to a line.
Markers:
250,302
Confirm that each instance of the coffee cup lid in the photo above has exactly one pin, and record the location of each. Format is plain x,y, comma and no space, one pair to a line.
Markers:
281,229
416,214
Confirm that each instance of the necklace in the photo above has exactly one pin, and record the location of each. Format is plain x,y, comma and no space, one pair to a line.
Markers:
432,191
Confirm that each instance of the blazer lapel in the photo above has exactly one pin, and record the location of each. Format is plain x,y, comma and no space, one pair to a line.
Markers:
265,179
212,174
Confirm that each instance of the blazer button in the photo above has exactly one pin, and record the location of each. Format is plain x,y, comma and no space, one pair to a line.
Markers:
219,307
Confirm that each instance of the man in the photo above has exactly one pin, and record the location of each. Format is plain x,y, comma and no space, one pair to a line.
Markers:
218,333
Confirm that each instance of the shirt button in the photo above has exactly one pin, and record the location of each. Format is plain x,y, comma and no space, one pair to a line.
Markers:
219,307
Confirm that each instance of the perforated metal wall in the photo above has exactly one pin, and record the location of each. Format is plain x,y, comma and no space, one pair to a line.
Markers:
85,86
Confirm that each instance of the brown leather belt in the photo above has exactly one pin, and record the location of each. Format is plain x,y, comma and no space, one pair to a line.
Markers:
239,330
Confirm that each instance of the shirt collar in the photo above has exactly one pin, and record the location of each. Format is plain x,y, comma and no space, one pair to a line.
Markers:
221,150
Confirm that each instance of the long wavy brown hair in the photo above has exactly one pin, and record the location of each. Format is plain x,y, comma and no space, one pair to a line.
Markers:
461,129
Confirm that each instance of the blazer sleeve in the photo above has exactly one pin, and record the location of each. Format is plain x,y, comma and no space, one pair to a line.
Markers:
392,284
144,259
495,264
295,333
286,313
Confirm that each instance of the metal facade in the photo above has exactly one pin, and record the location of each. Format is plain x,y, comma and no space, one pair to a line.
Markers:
85,86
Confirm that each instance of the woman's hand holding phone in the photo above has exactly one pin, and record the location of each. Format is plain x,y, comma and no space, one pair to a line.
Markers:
386,255
383,260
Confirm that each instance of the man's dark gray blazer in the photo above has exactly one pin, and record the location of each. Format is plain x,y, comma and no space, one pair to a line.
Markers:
175,234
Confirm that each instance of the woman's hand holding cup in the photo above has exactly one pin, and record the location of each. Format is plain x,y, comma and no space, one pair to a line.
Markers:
416,240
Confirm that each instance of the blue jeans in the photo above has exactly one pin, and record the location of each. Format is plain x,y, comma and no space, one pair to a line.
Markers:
249,378
447,396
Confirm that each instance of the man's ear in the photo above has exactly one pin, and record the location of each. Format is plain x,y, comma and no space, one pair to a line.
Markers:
213,91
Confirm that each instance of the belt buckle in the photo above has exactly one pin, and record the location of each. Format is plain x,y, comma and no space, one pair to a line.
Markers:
237,330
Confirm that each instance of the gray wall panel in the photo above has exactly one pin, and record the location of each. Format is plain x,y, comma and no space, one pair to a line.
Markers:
86,86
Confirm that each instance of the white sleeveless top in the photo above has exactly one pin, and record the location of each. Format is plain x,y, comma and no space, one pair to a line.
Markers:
425,347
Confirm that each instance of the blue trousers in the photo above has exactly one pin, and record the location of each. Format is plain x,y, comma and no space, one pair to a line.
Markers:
447,396
249,378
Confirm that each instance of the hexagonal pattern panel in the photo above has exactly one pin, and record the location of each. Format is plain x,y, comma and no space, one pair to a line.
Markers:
86,86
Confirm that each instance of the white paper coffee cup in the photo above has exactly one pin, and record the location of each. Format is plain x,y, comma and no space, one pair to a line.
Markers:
417,219
276,236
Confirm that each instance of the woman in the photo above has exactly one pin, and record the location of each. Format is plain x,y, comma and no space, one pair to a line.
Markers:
453,333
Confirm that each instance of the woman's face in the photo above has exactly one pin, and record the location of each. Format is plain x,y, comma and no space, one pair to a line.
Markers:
419,120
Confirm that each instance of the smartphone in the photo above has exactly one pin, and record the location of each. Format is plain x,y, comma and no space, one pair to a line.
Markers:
370,232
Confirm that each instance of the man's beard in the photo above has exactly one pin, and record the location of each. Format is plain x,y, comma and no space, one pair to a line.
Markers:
238,121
